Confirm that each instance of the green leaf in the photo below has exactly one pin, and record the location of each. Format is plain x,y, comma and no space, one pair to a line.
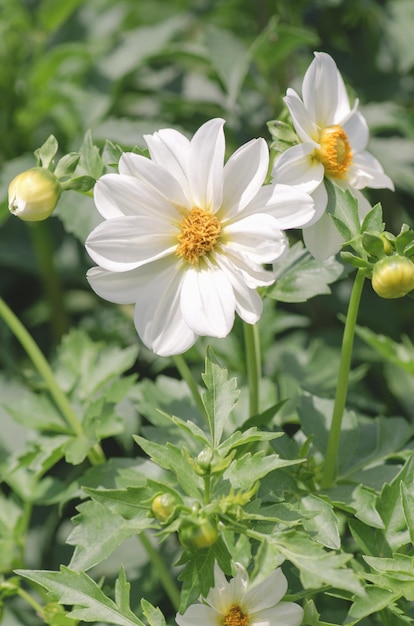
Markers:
67,165
78,589
36,412
99,531
79,183
323,525
220,398
407,498
401,354
244,472
152,614
372,221
372,601
90,162
343,208
45,154
300,277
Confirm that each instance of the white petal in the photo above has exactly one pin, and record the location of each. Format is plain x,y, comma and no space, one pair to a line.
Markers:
205,165
366,171
208,302
120,287
303,122
116,195
289,206
257,237
244,174
198,614
356,130
252,273
296,167
320,199
156,177
322,239
324,93
170,149
158,317
283,614
267,593
124,243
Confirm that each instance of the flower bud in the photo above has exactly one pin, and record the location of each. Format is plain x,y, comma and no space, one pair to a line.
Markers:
201,533
163,506
34,194
393,276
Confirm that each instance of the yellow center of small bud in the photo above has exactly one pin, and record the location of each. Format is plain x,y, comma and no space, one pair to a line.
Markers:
199,234
334,152
236,617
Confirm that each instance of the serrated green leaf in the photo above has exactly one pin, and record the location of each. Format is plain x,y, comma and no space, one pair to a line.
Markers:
323,525
78,589
67,164
401,354
244,472
343,207
407,498
90,162
372,601
373,244
152,614
220,398
128,503
299,276
372,221
46,152
240,438
98,532
400,566
36,411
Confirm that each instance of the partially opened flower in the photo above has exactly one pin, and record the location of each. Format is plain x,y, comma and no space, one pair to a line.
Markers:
185,236
333,139
237,603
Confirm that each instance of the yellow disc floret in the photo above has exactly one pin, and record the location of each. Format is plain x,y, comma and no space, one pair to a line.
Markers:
334,151
200,231
236,617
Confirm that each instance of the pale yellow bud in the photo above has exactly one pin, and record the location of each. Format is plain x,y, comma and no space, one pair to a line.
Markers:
34,194
393,276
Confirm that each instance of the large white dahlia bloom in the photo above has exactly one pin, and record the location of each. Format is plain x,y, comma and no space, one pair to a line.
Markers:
238,603
333,139
184,236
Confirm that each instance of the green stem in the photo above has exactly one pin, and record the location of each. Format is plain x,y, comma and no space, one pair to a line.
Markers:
253,364
95,455
186,375
329,471
28,598
44,250
163,572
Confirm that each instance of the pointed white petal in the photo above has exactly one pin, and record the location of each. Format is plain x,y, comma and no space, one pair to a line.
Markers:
244,174
205,165
198,614
257,237
158,317
124,243
249,305
303,122
119,287
268,592
156,178
208,302
324,93
322,239
357,132
320,199
289,206
283,614
252,273
117,195
366,171
296,167
170,149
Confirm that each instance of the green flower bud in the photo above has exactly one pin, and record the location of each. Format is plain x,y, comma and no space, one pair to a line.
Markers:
34,194
393,276
201,533
163,506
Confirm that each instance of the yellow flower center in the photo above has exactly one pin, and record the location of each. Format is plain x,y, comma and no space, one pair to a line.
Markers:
199,234
236,617
334,153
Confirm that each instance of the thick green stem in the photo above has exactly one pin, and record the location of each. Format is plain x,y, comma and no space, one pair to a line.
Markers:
329,470
186,375
44,250
253,364
163,572
95,455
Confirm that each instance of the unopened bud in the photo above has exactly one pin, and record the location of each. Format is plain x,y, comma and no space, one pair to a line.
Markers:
163,506
202,533
34,194
393,276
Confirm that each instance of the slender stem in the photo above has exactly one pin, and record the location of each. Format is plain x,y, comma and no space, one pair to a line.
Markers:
207,484
343,379
96,455
163,572
28,598
186,375
42,243
253,363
